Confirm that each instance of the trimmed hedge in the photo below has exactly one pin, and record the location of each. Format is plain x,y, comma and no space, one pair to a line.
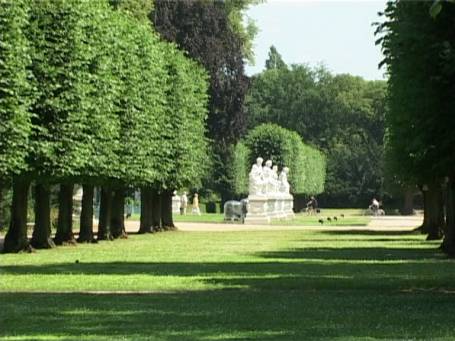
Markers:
285,148
111,102
15,95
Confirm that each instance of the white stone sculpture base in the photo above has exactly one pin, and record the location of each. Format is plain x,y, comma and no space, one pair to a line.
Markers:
262,209
288,205
257,210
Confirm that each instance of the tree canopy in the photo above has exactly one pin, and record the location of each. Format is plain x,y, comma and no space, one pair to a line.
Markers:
420,60
274,61
286,149
342,115
205,31
15,88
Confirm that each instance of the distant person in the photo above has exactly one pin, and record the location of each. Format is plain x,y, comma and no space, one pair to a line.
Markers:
312,206
183,203
374,207
195,209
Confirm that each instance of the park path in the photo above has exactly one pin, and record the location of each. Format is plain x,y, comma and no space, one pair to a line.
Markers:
390,223
396,223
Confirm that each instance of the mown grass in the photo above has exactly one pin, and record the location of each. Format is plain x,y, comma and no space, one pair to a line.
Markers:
352,217
257,285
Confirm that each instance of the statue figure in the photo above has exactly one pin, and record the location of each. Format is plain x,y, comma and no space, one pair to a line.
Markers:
268,177
276,183
284,184
256,178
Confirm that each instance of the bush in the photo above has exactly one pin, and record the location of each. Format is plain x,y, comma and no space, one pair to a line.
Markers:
285,148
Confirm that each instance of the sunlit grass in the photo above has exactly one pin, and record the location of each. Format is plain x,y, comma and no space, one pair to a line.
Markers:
254,285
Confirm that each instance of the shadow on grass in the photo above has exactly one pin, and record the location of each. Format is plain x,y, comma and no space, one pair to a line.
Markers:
369,232
309,269
357,254
298,294
227,315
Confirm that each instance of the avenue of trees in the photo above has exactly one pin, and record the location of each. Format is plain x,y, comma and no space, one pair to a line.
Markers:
286,149
419,51
90,95
341,115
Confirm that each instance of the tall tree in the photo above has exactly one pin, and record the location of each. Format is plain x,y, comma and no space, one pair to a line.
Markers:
15,118
274,61
203,30
420,61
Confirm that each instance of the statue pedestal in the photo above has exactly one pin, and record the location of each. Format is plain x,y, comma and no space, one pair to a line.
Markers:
258,210
288,205
262,209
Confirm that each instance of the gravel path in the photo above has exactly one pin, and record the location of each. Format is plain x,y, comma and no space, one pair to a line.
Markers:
377,224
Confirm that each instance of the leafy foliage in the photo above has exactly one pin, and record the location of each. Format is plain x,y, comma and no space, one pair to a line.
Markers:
420,59
204,30
275,61
105,102
140,105
61,66
284,148
342,115
239,168
15,89
186,114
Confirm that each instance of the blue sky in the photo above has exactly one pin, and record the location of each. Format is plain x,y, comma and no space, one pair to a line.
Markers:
336,33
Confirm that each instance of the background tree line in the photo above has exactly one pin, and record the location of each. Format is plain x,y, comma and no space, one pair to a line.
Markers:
90,95
342,115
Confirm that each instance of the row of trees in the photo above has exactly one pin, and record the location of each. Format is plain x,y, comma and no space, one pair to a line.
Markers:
341,115
90,95
419,54
285,148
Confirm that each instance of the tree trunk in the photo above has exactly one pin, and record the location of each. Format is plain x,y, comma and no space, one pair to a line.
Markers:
146,211
118,214
448,245
408,202
105,214
435,208
166,210
156,210
86,220
5,205
424,227
2,217
16,238
42,233
64,233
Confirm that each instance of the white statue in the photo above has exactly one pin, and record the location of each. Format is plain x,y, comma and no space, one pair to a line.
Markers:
268,177
284,184
256,178
276,183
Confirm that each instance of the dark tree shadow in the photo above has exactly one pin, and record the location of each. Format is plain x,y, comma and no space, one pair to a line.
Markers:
369,232
227,315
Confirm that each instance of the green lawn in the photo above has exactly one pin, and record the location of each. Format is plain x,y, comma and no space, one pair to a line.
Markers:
261,285
352,217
